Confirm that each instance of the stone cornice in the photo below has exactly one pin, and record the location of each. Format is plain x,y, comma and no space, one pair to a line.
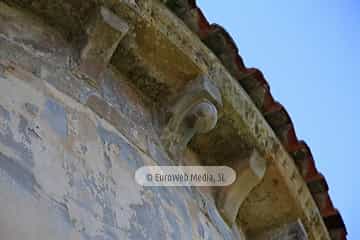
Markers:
241,110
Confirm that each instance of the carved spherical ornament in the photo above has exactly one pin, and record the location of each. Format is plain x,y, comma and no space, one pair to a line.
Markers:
205,117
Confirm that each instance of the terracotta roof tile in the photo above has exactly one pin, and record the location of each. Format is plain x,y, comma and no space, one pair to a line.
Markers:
336,226
252,80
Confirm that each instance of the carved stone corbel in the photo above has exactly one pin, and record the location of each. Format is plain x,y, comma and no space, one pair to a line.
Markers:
250,169
193,111
104,32
290,231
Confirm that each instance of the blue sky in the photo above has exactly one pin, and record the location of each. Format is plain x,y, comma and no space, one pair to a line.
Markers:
309,51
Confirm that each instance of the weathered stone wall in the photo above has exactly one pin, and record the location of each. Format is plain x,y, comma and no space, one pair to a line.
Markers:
69,149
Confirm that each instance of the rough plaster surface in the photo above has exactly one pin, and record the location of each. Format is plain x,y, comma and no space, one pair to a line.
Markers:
68,153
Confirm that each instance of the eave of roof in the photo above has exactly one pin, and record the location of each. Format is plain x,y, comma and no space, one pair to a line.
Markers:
223,46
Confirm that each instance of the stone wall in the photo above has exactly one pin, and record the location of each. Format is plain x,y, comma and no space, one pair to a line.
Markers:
69,149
